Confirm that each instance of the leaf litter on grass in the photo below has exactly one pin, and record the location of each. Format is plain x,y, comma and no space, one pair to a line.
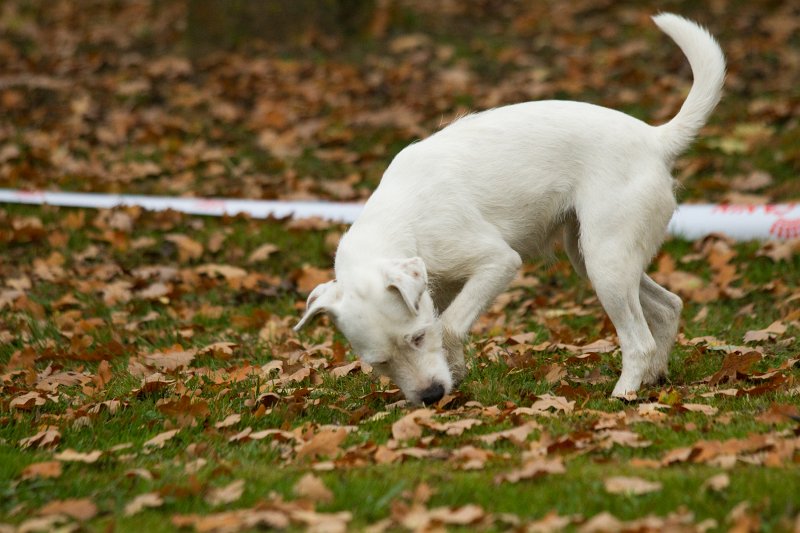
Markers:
157,347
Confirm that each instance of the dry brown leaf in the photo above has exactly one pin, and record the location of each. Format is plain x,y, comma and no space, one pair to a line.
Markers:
453,427
470,457
46,469
324,443
27,401
517,435
227,494
51,382
170,360
630,485
322,522
143,501
188,248
262,253
343,370
313,488
718,482
231,521
80,509
545,403
532,469
161,439
230,420
771,332
733,366
599,346
221,349
308,277
155,291
604,522
708,410
408,426
70,455
46,438
458,516
779,413
104,375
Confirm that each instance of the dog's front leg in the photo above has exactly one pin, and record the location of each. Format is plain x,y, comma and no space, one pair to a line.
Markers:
488,280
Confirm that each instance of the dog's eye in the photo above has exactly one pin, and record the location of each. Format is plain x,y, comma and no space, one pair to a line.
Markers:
418,339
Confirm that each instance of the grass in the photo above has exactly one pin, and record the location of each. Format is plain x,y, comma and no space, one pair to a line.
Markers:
80,290
369,491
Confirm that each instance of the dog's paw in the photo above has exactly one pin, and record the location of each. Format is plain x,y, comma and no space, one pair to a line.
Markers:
626,386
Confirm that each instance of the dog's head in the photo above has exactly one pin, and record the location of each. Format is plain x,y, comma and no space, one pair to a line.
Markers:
387,314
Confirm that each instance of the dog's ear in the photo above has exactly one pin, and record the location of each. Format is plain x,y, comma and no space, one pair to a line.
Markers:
409,278
321,300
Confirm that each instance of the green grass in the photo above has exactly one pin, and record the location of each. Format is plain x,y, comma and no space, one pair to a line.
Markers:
360,486
65,323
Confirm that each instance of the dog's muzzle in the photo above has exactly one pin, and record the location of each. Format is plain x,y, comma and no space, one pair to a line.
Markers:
432,394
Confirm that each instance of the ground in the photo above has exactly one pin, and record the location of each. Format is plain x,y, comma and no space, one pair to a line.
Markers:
149,376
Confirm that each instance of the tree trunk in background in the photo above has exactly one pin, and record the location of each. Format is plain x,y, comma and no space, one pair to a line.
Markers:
224,24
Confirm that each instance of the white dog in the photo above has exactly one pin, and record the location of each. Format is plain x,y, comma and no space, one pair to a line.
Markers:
455,215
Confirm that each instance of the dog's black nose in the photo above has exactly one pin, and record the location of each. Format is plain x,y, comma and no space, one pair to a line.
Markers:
432,394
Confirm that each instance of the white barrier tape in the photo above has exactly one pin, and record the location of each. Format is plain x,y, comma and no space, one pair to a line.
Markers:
691,221
740,222
335,212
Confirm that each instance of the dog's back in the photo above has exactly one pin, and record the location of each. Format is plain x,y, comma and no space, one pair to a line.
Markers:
522,167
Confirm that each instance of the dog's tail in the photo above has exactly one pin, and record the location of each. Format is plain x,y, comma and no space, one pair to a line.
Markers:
708,69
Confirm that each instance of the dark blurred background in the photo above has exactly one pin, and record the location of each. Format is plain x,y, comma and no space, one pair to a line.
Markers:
312,98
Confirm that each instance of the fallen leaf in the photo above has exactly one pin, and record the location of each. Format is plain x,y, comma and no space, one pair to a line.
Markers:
518,435
46,469
262,253
311,487
734,366
70,455
80,509
708,410
453,427
227,494
170,360
230,420
188,249
231,521
28,401
143,501
408,426
161,439
323,443
221,349
308,277
531,470
773,331
717,483
46,438
630,485
458,516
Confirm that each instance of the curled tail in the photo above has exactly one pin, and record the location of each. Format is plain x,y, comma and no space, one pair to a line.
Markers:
708,70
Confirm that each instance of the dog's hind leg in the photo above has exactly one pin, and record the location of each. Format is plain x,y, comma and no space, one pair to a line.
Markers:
616,246
662,309
633,309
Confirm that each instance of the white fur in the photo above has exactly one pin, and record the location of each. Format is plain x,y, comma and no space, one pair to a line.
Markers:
455,214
